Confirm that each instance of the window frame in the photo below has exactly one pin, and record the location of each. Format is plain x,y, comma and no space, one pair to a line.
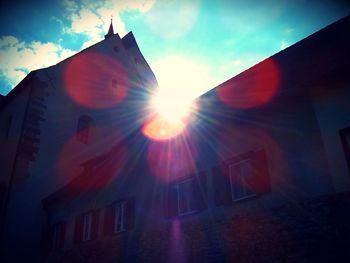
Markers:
87,230
189,196
259,180
241,180
197,197
120,218
87,227
58,235
115,222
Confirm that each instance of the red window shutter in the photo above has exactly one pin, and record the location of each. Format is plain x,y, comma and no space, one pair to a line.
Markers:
260,181
109,217
171,206
78,229
95,224
129,211
221,184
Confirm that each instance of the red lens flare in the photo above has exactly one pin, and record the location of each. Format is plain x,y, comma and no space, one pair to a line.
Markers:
241,140
252,88
95,80
74,154
171,160
160,129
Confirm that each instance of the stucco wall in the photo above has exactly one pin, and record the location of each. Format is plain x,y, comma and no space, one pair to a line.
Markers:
333,113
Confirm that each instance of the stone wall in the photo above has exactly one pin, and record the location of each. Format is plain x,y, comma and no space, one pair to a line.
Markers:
316,230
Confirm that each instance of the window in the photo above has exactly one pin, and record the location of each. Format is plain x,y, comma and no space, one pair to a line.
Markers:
186,196
85,124
119,217
241,177
345,139
86,226
114,84
58,235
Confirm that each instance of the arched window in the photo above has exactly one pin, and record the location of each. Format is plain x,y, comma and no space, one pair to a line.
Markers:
85,124
115,84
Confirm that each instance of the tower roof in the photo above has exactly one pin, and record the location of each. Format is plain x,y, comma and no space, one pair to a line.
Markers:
110,30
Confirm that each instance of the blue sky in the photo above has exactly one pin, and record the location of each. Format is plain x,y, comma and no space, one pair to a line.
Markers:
196,44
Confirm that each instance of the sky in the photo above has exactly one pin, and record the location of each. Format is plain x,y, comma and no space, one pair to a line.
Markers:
194,44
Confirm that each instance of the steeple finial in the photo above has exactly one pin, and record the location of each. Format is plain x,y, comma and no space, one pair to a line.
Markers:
110,30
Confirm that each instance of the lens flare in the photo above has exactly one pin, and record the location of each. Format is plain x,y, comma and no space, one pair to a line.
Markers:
250,138
74,152
173,159
251,88
95,80
159,129
170,116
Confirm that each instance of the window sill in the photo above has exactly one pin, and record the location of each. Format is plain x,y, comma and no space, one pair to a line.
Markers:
245,198
188,213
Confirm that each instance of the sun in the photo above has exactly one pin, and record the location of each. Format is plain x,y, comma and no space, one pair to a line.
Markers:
171,114
171,106
181,80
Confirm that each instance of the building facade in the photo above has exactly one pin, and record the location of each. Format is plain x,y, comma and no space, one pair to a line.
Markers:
260,174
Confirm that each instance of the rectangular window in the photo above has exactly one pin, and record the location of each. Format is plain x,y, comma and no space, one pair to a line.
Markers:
119,217
87,227
115,84
185,196
239,175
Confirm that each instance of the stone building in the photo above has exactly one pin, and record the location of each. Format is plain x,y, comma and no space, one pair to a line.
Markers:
259,174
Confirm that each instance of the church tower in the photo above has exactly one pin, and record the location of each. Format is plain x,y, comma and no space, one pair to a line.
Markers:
110,30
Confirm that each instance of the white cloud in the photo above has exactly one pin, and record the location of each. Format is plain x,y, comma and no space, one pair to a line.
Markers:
289,30
284,44
70,5
88,17
92,18
172,19
19,57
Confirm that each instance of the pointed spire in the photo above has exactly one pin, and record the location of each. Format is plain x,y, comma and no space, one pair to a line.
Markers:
110,30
